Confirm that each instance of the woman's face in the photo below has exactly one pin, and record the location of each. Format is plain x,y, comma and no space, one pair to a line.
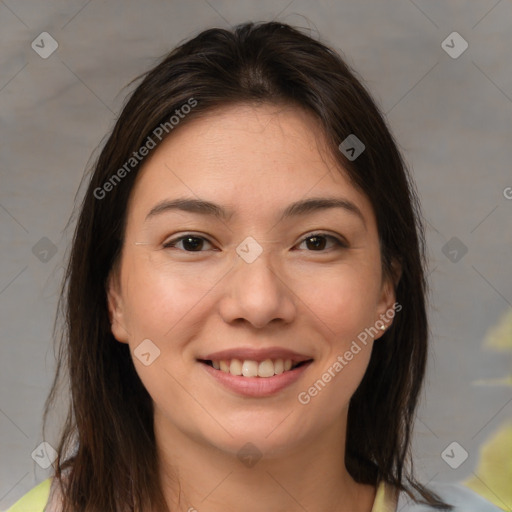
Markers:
263,280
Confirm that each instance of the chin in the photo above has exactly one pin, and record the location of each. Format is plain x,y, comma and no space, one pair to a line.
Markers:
258,440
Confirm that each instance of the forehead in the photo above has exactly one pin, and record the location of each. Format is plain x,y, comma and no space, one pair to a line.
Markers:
246,133
246,155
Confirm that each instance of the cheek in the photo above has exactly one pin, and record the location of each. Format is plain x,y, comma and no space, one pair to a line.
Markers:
342,308
343,301
158,297
342,304
162,305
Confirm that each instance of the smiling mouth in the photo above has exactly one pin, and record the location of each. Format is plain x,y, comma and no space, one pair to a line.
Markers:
250,368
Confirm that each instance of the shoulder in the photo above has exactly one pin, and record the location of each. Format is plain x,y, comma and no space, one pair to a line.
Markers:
461,498
34,500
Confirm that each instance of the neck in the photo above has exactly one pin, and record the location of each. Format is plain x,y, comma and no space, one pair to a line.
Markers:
311,475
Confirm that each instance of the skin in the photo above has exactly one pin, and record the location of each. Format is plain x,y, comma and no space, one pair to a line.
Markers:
255,161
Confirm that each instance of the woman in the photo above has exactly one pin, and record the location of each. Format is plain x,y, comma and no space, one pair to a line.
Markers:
245,297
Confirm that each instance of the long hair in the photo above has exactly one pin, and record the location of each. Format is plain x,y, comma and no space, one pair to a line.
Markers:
107,457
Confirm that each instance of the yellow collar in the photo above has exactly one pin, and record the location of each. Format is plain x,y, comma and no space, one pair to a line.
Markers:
386,498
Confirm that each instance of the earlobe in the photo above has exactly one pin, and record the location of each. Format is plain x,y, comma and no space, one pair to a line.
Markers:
387,305
115,310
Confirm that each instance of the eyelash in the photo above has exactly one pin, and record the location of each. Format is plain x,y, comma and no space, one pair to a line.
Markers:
339,243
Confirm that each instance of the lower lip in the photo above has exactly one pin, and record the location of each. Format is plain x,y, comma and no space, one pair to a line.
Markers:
256,386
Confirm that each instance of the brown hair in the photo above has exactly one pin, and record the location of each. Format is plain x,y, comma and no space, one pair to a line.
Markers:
107,450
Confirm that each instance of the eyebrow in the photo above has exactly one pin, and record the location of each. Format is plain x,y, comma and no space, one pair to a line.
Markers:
302,207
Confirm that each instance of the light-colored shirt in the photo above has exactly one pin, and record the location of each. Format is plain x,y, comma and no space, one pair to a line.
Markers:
461,498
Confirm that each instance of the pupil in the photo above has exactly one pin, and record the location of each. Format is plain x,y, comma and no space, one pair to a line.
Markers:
195,245
319,244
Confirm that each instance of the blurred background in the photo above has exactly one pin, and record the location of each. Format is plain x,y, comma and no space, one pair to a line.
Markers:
442,75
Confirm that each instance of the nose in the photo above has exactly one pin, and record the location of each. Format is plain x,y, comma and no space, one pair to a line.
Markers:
257,293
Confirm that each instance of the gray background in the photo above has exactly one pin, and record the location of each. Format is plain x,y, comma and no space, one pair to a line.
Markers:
452,118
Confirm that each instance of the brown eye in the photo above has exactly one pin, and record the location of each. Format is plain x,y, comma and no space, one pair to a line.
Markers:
190,243
318,242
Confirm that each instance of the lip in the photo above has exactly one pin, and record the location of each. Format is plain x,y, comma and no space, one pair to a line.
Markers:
254,354
256,387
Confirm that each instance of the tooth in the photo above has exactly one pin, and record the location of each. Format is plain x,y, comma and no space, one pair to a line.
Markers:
279,366
250,369
235,368
266,368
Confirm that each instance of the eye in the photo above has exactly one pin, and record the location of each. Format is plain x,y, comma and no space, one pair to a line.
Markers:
318,241
191,243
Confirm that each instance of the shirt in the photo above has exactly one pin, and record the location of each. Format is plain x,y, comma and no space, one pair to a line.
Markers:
463,499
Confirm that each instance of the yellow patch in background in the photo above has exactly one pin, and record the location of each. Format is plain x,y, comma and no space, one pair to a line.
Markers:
494,470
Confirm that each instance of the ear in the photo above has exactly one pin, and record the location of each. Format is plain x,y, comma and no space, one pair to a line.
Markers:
386,308
116,309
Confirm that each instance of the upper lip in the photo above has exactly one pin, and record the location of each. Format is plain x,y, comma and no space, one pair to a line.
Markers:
255,354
